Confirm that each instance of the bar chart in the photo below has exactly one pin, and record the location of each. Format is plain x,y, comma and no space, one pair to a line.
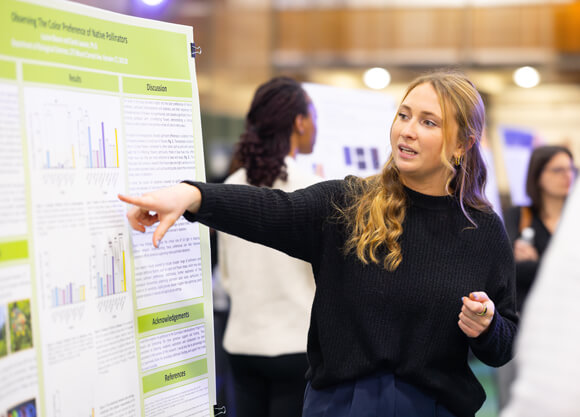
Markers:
72,130
70,293
65,286
108,265
101,151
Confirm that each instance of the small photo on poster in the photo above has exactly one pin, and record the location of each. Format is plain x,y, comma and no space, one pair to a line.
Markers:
25,409
20,326
3,334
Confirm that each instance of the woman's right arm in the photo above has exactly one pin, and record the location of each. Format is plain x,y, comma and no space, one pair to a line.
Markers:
289,222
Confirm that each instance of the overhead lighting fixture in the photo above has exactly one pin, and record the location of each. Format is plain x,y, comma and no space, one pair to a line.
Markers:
152,2
526,77
377,78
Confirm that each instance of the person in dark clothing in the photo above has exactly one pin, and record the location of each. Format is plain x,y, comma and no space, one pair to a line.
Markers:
413,269
551,173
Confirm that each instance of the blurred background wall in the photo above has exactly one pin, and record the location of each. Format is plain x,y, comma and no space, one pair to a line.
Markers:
333,42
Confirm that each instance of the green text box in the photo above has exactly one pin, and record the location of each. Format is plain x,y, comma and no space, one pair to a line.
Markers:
168,318
69,77
10,251
157,87
174,375
94,39
7,70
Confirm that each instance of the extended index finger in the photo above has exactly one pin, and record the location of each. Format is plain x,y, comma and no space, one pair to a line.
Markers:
136,201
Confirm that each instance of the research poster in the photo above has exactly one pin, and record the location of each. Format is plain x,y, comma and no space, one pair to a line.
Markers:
95,321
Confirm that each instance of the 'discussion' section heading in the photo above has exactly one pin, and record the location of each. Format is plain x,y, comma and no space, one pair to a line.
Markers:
157,87
49,34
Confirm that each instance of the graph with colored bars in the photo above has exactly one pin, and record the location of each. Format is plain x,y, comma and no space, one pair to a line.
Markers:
96,156
109,270
69,294
73,130
64,284
361,158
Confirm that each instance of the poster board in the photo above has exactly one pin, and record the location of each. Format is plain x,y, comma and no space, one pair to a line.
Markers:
94,321
353,131
517,149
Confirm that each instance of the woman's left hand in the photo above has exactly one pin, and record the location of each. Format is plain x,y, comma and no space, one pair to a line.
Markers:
476,314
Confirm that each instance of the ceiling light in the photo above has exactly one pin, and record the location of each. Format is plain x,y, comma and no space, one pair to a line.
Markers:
526,77
377,78
152,2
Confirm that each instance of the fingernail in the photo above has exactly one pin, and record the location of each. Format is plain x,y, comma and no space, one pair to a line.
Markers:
474,295
157,243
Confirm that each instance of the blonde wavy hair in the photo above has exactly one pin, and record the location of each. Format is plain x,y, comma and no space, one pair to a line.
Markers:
376,212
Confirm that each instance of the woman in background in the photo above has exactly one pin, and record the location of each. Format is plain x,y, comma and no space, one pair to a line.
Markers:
271,293
413,268
551,173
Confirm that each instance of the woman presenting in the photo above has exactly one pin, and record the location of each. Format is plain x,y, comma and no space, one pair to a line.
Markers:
412,267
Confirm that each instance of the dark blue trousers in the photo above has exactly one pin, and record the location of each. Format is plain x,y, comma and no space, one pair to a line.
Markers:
379,395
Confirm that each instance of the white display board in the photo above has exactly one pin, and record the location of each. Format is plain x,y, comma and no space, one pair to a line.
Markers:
517,148
94,321
353,131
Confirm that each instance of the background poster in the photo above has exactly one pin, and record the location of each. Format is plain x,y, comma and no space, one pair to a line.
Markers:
517,149
353,131
94,321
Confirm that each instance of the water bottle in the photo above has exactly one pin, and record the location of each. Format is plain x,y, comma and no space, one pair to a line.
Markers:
527,235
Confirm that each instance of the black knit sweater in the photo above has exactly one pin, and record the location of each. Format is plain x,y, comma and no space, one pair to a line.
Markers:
366,319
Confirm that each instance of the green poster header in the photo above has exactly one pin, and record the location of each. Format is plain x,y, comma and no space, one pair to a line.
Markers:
11,251
47,34
70,78
174,375
157,87
168,318
7,70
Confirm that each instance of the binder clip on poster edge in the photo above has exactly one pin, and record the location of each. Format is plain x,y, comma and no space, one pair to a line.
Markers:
195,50
219,411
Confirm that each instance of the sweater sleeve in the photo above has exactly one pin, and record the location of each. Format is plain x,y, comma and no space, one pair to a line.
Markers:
494,347
289,222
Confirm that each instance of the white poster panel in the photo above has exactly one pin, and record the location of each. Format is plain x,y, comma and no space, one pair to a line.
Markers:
353,131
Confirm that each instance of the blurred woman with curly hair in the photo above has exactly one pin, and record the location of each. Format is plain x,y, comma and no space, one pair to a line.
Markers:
270,292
